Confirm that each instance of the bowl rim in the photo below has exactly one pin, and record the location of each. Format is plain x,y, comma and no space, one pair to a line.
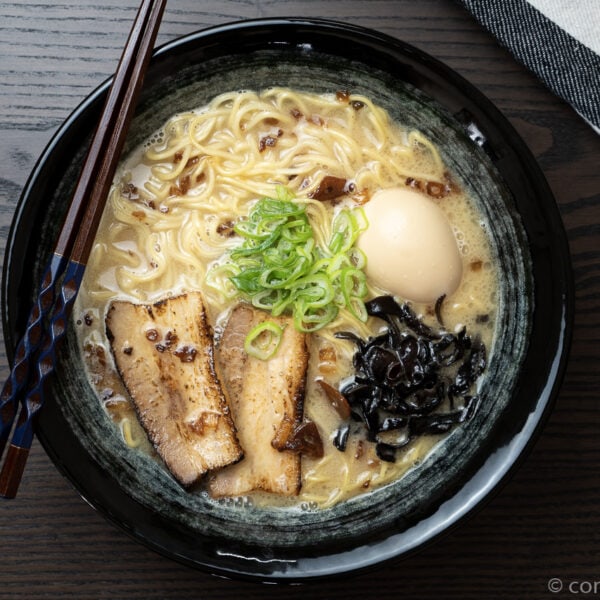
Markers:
487,480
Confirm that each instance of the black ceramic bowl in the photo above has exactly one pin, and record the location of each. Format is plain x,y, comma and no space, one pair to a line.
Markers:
526,364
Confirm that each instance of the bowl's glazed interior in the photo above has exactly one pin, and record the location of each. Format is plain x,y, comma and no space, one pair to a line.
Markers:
479,147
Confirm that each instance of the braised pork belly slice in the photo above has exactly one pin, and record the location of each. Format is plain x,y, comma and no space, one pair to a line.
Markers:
164,353
267,401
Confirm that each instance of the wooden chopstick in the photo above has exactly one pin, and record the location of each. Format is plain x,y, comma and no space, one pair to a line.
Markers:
120,95
38,346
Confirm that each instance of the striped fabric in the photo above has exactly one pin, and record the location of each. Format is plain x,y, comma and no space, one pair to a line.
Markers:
559,40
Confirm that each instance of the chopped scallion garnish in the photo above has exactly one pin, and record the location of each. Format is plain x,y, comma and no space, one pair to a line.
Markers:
263,340
279,267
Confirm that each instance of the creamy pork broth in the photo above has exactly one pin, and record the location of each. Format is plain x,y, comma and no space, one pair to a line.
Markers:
169,221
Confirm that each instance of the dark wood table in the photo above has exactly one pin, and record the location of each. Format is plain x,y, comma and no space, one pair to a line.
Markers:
544,524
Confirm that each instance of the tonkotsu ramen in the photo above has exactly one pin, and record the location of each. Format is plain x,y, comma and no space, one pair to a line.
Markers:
290,298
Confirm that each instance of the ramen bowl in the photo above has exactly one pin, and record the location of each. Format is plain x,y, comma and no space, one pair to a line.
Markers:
477,143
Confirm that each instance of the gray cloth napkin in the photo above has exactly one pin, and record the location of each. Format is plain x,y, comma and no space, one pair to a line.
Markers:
559,40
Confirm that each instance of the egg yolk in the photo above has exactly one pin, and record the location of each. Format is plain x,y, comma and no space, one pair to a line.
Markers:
410,246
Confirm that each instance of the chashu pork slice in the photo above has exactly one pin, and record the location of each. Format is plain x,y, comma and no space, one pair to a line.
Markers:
267,402
164,353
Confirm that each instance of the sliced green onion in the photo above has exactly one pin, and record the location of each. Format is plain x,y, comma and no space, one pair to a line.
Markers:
247,280
271,300
315,290
359,220
220,278
343,233
263,340
280,277
354,282
310,320
358,309
354,289
357,258
279,268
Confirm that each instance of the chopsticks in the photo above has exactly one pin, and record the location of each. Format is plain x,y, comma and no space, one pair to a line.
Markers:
35,357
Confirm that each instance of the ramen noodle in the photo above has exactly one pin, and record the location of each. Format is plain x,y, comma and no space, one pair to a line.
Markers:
168,228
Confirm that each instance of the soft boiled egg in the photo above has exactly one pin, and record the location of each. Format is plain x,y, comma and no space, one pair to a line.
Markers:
410,246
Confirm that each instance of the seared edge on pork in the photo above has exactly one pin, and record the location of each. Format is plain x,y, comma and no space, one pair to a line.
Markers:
165,355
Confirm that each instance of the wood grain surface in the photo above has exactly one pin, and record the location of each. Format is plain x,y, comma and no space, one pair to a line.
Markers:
543,524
